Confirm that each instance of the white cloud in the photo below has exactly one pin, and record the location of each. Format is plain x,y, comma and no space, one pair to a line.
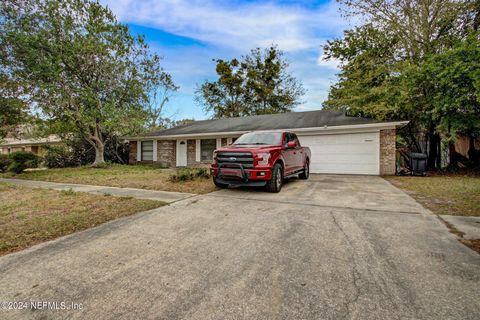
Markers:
230,29
330,63
238,26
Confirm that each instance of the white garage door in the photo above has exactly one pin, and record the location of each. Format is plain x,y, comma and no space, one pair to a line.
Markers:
353,153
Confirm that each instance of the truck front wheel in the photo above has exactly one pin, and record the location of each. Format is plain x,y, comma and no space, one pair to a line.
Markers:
275,184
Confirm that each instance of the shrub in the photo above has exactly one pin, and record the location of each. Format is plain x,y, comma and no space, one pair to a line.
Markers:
60,157
187,174
68,192
202,173
22,160
5,162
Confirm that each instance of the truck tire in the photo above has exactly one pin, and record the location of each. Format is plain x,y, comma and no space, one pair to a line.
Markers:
306,171
218,184
275,184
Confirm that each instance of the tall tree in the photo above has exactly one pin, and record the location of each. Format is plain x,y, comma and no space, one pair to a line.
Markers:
13,111
269,88
453,79
160,95
80,66
257,84
225,96
380,58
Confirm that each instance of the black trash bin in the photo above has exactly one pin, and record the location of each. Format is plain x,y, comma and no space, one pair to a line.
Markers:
418,164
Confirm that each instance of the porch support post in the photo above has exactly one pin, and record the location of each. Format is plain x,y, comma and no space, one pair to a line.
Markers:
139,150
155,150
197,150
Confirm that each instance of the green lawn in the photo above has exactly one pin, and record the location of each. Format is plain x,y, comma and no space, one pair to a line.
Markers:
30,216
133,176
444,194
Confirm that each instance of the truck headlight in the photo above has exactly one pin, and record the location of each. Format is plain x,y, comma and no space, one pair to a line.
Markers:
263,158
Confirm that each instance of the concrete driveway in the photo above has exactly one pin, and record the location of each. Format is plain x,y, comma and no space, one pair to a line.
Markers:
332,247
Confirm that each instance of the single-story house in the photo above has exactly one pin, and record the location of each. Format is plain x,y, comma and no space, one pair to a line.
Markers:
34,145
339,144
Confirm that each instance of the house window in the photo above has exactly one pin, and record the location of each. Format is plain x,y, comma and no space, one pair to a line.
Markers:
207,146
147,150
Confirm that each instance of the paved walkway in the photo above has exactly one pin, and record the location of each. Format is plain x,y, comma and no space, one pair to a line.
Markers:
470,226
165,196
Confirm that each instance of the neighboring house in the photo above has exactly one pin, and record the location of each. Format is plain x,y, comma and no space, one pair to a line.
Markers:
34,145
339,144
463,145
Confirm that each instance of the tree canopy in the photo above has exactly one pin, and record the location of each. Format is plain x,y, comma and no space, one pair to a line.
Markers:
78,65
414,60
13,111
257,84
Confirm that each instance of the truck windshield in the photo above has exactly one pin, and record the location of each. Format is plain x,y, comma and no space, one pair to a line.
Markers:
267,138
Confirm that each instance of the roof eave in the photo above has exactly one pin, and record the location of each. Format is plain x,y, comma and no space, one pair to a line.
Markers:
376,126
28,143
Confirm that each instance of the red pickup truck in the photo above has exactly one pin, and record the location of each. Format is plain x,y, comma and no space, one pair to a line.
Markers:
261,158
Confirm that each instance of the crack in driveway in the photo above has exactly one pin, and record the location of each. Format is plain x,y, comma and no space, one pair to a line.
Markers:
355,273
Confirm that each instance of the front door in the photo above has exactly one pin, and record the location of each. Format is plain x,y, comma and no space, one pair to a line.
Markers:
181,153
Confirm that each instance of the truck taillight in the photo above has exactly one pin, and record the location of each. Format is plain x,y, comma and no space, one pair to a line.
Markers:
263,158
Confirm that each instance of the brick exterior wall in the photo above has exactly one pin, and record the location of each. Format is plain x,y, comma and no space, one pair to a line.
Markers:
387,152
191,159
166,153
191,146
132,152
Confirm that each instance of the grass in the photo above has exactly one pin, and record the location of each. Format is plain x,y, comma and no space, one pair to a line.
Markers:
444,194
30,216
473,244
115,175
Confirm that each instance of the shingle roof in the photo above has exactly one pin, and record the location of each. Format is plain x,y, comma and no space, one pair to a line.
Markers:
290,120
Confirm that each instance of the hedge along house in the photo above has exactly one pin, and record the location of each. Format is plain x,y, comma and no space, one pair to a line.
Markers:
339,144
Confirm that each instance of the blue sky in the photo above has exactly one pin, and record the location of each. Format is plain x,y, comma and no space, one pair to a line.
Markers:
189,34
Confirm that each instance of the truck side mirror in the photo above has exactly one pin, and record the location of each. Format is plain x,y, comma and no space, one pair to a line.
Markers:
291,144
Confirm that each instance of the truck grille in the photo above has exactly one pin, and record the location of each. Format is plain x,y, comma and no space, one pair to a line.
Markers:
232,159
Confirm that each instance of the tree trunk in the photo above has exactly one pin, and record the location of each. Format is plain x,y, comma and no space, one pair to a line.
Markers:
439,151
99,154
432,147
413,140
452,154
99,145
